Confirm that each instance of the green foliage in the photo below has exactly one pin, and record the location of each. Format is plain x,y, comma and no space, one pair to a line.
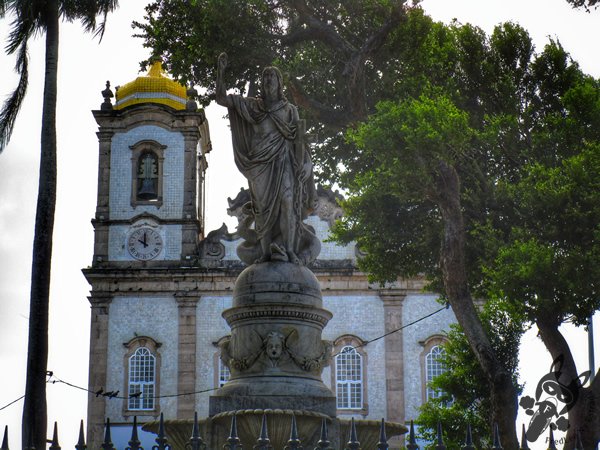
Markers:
400,148
549,266
465,399
393,99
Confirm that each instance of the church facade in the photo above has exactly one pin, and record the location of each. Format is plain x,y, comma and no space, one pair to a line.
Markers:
160,282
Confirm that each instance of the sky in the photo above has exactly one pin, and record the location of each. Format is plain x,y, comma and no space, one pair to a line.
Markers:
84,67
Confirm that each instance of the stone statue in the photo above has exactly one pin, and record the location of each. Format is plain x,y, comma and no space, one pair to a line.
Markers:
269,150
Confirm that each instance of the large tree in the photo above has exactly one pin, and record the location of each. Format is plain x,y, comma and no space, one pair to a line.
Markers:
548,269
447,112
29,18
531,221
340,60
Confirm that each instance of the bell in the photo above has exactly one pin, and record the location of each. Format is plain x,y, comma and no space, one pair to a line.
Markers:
148,191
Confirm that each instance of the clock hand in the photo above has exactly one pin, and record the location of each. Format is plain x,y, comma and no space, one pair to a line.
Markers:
145,243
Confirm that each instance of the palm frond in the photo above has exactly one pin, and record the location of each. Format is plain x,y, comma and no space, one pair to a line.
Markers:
23,27
12,106
89,11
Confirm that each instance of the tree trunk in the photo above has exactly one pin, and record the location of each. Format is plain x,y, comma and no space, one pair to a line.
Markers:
504,395
584,416
34,409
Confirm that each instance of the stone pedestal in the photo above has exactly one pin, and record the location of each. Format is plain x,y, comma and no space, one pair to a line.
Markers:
275,352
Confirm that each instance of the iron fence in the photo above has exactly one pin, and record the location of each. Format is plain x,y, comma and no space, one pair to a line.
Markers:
232,442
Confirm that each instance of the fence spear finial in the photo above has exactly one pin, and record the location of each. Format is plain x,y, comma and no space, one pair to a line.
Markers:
55,445
412,440
382,444
323,443
524,445
5,439
294,441
196,442
468,439
497,444
440,440
161,440
233,441
81,442
134,442
551,444
353,443
107,444
263,442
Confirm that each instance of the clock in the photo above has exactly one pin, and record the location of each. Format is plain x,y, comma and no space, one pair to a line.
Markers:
144,244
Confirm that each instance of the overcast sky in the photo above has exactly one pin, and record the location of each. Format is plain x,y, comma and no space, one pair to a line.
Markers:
85,65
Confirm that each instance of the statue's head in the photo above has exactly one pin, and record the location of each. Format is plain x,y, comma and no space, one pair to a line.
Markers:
272,75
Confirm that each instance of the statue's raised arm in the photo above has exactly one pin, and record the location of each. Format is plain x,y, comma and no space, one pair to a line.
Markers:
221,90
270,152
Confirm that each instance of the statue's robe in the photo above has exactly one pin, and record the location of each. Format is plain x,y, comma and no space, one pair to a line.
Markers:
272,164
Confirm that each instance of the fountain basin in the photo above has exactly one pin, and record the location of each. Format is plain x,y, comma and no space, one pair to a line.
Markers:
215,430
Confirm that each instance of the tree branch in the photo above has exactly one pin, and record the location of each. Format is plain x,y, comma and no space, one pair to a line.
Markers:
324,114
318,30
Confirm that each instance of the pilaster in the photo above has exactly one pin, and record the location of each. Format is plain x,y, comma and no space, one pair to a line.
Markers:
102,206
394,355
100,304
186,365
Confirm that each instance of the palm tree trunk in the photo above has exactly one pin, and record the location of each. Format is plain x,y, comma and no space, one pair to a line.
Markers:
34,409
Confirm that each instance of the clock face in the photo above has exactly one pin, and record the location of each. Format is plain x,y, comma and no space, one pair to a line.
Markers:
144,244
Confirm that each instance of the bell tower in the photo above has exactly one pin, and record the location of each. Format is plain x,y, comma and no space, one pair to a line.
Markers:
153,144
149,220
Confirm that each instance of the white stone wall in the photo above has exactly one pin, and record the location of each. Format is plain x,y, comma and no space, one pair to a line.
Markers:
155,317
121,171
330,250
415,307
361,316
211,327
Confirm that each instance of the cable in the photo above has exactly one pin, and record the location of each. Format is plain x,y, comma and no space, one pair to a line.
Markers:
14,401
115,394
398,329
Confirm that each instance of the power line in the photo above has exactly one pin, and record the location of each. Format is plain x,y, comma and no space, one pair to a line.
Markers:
115,394
14,401
447,306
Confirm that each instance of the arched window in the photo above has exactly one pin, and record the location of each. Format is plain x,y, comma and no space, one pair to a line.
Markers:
433,368
224,373
147,159
349,375
221,371
431,365
142,376
142,380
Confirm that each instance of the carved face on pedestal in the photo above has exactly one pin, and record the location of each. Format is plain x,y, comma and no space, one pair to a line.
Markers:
274,345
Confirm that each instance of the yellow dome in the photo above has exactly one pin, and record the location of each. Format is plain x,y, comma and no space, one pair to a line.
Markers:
155,87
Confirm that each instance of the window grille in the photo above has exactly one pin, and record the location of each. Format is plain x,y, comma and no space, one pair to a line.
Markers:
433,368
349,383
224,373
142,380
